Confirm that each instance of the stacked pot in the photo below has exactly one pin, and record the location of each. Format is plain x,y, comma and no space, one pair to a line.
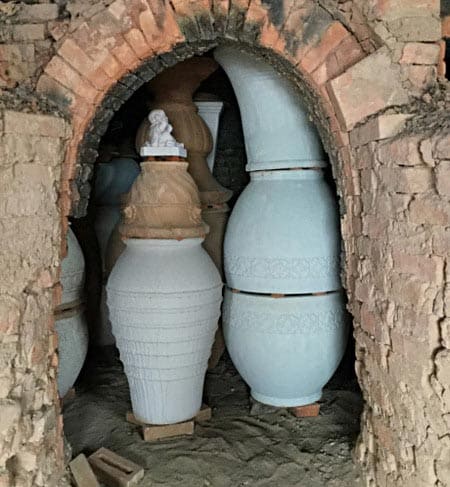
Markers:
164,294
189,128
71,325
284,311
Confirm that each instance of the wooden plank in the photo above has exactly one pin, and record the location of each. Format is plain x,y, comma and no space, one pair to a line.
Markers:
82,472
306,411
114,470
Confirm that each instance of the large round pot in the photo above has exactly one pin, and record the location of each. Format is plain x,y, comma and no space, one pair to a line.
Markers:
278,133
72,331
72,273
286,349
164,301
283,235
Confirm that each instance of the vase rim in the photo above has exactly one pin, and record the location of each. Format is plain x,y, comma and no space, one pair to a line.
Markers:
163,242
300,173
164,163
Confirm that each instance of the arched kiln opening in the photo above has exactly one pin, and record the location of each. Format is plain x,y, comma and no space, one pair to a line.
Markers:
252,441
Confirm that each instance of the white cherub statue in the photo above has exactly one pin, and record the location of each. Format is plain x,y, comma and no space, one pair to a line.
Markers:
159,133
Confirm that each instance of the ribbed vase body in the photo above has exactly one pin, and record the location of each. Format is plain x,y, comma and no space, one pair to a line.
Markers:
284,311
73,341
164,299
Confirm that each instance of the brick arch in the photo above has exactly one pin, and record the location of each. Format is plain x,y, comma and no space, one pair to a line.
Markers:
100,64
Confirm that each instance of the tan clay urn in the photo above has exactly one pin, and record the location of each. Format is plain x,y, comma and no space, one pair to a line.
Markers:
172,92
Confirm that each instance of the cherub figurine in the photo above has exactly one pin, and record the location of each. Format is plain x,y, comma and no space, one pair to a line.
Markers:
159,133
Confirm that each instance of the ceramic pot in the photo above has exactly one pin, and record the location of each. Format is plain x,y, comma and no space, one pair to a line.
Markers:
286,349
216,218
163,203
112,180
175,99
72,331
210,111
278,133
72,273
283,235
164,301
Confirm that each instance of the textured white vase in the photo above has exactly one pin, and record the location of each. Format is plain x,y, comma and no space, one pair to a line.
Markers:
164,301
72,272
72,333
286,349
210,112
278,133
283,235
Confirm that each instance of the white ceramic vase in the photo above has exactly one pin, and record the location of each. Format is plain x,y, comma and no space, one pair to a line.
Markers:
283,235
278,133
210,112
72,273
286,349
72,331
164,301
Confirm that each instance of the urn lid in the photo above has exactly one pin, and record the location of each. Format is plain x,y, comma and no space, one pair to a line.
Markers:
163,203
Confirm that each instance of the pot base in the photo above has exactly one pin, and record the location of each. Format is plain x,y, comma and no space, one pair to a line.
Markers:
286,402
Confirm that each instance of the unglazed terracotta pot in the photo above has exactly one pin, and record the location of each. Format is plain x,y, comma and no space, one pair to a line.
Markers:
172,91
72,273
278,133
111,181
72,331
164,300
163,203
283,235
210,111
286,349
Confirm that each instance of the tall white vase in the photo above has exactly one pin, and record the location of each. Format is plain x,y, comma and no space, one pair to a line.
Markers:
164,299
210,112
278,133
283,235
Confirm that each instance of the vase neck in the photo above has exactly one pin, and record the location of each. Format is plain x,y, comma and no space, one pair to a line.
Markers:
287,174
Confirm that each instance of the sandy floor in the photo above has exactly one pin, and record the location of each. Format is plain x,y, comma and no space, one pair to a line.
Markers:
243,444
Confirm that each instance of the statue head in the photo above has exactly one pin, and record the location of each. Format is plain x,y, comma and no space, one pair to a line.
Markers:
156,116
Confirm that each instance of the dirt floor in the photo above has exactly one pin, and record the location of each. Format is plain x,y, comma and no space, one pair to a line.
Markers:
245,443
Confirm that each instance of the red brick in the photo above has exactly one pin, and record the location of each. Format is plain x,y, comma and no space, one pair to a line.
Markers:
446,26
429,211
409,180
137,41
29,32
423,267
329,41
38,12
421,77
402,152
382,127
126,56
442,172
420,53
58,69
77,58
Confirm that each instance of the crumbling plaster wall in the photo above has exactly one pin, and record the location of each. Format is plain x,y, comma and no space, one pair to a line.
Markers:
368,70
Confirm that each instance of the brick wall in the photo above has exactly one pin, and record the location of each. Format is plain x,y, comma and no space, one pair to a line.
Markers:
368,71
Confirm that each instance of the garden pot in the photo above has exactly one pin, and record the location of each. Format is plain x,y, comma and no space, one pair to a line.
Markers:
286,349
283,235
72,331
164,301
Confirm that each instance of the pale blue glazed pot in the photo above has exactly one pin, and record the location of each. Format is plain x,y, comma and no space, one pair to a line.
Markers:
278,133
283,235
286,349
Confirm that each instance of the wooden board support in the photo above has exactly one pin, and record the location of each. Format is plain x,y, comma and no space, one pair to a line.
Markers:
306,411
82,473
154,432
114,470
